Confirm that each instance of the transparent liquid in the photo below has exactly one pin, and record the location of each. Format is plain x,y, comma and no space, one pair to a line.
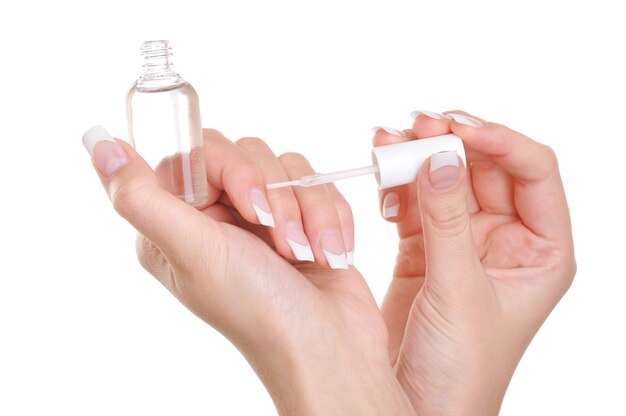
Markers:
165,129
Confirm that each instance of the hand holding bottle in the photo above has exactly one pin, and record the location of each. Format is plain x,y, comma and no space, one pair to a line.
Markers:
314,335
485,255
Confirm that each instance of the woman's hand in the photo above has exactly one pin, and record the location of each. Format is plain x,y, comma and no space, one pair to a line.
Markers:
314,335
485,254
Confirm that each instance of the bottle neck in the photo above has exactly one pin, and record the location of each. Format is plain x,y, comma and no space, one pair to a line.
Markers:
158,68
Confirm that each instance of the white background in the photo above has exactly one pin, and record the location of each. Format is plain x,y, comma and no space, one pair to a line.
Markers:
84,330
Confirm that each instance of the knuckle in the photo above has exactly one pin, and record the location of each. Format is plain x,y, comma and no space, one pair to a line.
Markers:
131,198
549,162
252,143
293,158
241,168
211,134
286,201
572,270
450,220
550,155
568,271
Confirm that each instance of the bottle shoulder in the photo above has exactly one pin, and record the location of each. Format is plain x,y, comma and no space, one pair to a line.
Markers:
151,87
159,84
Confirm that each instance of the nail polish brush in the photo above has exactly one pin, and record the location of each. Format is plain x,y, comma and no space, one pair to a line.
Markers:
392,165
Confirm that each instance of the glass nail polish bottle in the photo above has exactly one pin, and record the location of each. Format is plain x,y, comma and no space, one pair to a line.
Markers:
164,125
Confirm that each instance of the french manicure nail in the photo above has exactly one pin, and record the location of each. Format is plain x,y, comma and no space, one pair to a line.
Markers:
468,121
429,114
333,250
262,207
348,242
298,242
350,257
444,169
390,130
391,205
107,154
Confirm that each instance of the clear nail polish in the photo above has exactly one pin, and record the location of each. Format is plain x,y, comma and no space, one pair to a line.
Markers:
333,249
429,114
298,242
391,205
164,125
389,130
465,120
444,170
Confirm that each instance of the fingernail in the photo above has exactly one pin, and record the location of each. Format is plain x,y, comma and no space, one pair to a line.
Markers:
298,242
107,154
444,169
333,250
262,207
429,114
468,121
390,130
391,205
348,243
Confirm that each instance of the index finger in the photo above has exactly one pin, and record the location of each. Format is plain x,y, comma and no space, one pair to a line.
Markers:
230,169
538,190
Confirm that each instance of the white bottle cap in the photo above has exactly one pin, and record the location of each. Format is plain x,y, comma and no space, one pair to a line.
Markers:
400,163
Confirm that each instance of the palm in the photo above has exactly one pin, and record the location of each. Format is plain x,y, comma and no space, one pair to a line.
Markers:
348,298
507,248
318,295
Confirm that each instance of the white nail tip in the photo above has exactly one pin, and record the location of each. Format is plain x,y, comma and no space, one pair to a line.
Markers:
430,114
265,218
439,160
336,261
302,252
350,257
464,120
94,135
391,211
389,130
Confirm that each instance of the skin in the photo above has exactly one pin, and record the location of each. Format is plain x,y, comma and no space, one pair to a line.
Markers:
480,266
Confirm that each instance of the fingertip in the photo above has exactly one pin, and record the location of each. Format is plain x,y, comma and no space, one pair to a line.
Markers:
261,207
348,243
390,206
384,135
107,154
298,242
441,174
95,135
330,248
389,130
429,124
208,134
428,114
465,120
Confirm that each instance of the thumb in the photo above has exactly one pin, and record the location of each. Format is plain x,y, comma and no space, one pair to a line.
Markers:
452,262
172,225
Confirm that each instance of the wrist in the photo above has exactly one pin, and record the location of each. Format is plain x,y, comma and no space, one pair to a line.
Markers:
474,390
329,379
